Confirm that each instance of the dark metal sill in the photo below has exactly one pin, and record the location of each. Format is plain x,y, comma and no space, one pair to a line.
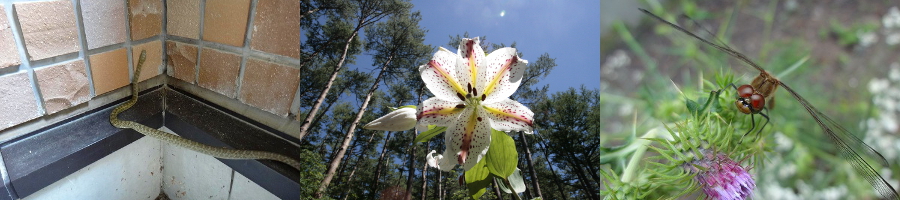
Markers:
40,158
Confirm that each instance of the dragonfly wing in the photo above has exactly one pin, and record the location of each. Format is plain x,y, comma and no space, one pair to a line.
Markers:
846,142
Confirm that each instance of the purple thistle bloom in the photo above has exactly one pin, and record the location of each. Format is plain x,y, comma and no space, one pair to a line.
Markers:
722,177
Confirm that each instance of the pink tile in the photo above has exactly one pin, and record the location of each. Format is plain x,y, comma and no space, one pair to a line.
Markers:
219,71
63,86
154,59
182,60
48,27
18,100
9,54
183,18
269,86
146,18
276,27
104,22
225,21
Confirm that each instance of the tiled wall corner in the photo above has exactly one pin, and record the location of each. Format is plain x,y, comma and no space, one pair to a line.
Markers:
182,60
18,100
154,59
9,56
48,27
276,27
146,18
63,85
225,21
109,70
219,71
269,86
183,18
104,22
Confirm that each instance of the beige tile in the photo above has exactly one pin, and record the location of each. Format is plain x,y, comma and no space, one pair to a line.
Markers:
146,18
269,86
9,54
225,21
104,22
276,27
63,86
182,60
154,59
183,18
219,71
48,27
109,70
18,100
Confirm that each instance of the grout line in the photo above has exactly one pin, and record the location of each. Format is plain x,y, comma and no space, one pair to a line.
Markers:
128,45
82,54
23,55
200,45
245,50
163,38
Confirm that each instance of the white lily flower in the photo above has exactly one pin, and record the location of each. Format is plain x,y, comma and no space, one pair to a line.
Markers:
398,120
471,97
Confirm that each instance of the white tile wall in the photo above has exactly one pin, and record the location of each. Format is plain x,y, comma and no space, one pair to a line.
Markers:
135,172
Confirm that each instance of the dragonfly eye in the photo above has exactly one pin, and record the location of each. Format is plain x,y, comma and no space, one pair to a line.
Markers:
746,91
757,102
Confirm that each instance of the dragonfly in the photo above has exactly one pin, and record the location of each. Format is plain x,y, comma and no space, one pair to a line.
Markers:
751,100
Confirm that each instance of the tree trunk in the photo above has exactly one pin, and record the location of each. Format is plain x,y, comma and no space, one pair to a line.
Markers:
356,166
557,180
352,129
497,189
534,178
377,179
412,153
312,112
440,184
424,178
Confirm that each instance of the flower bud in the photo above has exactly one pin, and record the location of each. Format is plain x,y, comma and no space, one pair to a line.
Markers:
399,120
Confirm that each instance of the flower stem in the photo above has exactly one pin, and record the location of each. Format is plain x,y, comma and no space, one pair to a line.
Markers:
631,169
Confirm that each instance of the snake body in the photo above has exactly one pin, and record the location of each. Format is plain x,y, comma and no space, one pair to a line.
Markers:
218,152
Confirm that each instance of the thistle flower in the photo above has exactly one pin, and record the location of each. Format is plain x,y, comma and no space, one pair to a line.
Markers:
720,177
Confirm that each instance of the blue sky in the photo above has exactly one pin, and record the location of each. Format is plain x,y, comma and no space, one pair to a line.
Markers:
568,30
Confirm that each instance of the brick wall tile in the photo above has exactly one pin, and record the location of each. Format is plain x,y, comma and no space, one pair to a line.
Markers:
48,27
183,18
269,86
219,71
63,86
146,18
225,21
104,22
182,60
154,59
9,54
109,70
18,100
276,27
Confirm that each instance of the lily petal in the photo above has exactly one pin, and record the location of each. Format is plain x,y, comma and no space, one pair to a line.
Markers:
437,161
470,137
468,64
398,120
439,112
439,76
509,115
501,75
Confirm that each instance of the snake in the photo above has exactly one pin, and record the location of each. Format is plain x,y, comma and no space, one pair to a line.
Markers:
218,152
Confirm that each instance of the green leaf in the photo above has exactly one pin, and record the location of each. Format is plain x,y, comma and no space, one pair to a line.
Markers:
517,182
501,156
504,186
477,179
512,184
407,106
431,132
